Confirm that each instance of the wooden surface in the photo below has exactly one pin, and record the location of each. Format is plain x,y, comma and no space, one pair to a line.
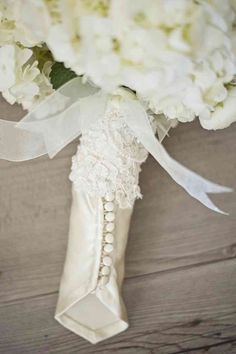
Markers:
180,285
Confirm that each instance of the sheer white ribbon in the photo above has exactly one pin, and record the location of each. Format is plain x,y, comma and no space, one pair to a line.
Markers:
64,115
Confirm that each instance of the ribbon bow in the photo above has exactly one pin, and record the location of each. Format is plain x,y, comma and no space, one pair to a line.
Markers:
69,111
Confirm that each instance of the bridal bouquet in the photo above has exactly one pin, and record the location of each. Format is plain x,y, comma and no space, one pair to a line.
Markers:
114,73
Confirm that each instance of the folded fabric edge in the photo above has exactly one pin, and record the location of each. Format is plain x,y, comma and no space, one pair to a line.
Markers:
88,334
92,335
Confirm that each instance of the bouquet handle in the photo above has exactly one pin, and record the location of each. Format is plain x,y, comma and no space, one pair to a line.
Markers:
90,303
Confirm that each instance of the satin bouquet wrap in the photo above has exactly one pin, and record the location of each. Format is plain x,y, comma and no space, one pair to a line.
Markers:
116,134
117,76
104,174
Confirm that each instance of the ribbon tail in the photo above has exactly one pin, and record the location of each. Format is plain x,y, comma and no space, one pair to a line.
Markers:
137,119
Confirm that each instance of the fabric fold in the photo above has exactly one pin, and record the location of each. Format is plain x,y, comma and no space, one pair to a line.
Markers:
86,306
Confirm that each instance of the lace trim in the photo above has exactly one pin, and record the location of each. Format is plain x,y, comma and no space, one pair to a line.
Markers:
108,159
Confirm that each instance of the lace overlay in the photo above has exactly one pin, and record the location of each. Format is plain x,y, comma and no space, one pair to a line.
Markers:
108,159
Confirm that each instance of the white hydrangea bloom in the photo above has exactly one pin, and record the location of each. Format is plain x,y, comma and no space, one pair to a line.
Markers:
7,25
32,22
198,36
224,114
178,56
22,25
21,80
64,38
23,22
7,67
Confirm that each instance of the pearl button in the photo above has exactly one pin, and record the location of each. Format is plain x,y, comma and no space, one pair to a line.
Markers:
108,248
110,226
105,270
104,280
109,238
107,261
109,206
110,216
109,197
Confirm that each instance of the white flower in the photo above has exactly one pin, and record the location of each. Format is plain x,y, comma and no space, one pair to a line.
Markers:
142,47
224,114
7,66
98,59
178,56
23,22
64,37
24,83
39,88
155,13
23,88
6,24
32,22
61,46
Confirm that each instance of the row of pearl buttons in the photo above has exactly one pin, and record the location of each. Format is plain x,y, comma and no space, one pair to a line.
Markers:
108,238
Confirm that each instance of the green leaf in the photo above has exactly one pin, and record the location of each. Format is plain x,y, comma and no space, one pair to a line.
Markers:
60,75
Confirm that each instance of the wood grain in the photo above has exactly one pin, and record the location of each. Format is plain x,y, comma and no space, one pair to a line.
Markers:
180,287
192,308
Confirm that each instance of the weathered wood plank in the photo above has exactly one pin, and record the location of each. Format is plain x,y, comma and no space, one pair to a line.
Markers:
169,313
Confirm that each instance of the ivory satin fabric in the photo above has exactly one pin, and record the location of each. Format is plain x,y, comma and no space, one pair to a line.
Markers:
85,307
